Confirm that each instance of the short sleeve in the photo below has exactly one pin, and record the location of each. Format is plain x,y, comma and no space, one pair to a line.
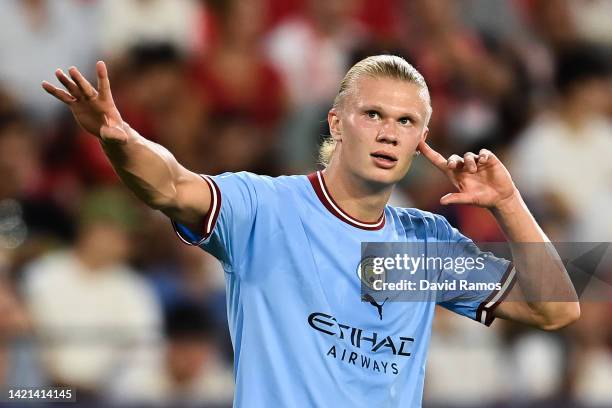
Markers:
480,289
227,226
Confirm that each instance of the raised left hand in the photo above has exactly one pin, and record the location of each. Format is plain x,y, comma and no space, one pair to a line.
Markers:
481,179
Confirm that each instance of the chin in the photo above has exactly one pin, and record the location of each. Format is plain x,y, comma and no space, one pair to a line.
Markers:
384,177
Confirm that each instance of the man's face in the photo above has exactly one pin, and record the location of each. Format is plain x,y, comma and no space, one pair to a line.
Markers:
379,127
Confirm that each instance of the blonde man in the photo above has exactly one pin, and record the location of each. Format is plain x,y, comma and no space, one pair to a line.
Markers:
291,246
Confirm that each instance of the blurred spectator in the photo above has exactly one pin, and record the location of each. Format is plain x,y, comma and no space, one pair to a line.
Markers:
553,21
39,36
312,51
180,273
232,75
24,211
194,276
539,362
555,163
467,364
591,364
129,23
189,374
18,358
156,97
243,92
94,316
383,22
563,23
466,81
239,144
28,224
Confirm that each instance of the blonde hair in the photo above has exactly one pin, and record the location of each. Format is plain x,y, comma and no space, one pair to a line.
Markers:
377,66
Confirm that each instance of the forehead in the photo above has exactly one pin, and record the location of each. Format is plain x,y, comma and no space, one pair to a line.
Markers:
391,94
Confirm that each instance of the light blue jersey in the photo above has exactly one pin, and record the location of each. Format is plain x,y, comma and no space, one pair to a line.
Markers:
302,336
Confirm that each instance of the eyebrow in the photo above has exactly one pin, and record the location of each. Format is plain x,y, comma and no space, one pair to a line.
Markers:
411,115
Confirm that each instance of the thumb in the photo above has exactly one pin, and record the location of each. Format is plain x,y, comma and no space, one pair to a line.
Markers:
456,198
113,134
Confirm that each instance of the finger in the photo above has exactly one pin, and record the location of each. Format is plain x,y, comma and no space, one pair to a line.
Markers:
85,87
455,162
456,198
470,162
486,156
58,93
70,86
113,134
433,156
103,81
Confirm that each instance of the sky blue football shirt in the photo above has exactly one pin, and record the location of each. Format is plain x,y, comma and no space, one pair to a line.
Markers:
302,336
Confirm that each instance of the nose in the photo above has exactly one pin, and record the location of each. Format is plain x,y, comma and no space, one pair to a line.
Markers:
387,134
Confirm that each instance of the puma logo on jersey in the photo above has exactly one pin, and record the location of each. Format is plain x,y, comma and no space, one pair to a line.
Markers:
370,299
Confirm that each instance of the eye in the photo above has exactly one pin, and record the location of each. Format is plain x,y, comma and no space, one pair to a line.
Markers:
372,114
405,121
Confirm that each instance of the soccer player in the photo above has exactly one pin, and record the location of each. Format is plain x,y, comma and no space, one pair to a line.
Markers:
290,246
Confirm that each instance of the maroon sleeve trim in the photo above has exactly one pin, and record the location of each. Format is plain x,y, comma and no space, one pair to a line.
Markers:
210,220
485,312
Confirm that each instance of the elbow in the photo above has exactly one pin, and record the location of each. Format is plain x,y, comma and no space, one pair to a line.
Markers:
568,314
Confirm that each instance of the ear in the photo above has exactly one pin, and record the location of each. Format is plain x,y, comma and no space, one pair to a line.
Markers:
335,125
423,137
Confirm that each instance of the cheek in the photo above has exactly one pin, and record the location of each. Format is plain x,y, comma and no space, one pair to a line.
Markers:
360,132
413,136
408,148
360,124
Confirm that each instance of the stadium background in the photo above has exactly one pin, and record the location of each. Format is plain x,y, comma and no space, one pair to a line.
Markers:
97,293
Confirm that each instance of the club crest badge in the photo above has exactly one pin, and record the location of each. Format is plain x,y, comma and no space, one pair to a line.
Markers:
365,272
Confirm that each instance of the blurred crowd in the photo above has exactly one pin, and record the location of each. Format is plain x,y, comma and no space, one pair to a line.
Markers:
96,293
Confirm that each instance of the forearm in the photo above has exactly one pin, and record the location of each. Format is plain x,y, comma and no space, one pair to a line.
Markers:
543,280
145,167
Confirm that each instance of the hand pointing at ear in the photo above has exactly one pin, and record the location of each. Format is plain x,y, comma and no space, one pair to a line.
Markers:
94,109
481,179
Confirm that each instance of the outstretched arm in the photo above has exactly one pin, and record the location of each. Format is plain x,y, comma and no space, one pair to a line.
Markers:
147,168
544,296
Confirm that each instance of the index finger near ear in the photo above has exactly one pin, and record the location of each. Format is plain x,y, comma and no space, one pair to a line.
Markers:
433,156
103,81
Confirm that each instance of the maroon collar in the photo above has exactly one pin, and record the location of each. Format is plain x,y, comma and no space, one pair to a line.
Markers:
318,184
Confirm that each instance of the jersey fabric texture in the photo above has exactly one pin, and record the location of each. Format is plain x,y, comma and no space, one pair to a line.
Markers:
302,335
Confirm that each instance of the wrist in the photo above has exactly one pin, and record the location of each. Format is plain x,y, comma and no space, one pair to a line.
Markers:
117,135
509,205
131,133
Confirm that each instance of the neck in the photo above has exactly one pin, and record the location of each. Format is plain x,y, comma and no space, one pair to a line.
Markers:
358,198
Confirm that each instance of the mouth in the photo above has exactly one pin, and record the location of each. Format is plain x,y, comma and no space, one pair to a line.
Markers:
383,159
